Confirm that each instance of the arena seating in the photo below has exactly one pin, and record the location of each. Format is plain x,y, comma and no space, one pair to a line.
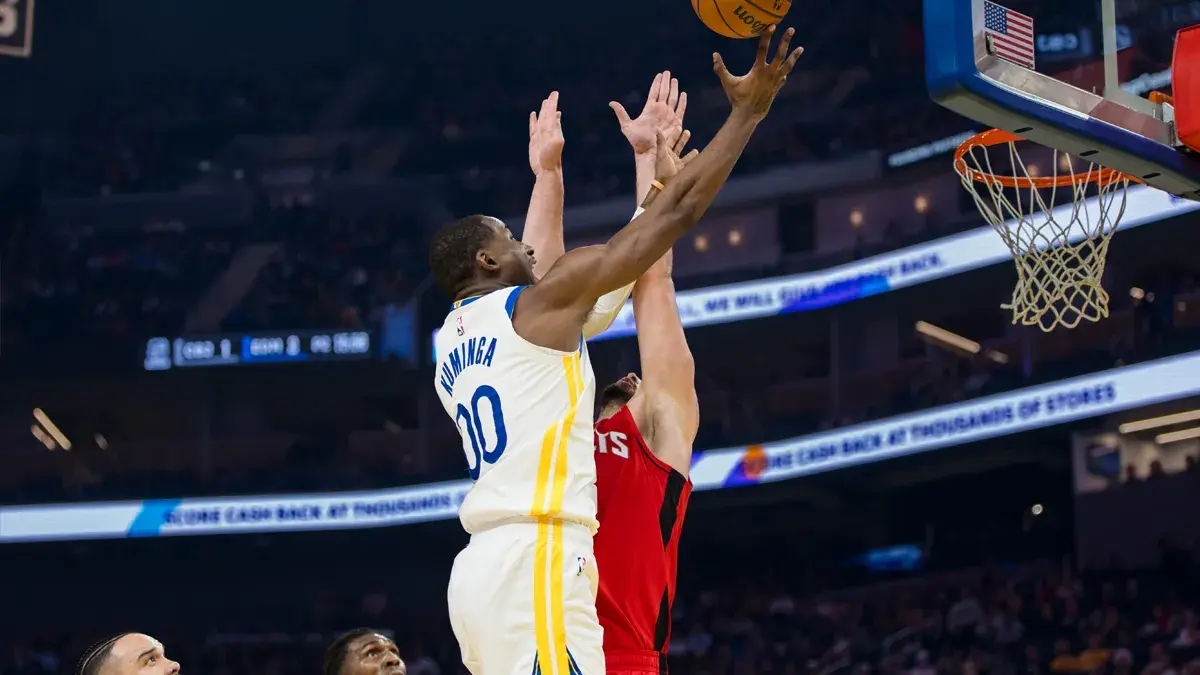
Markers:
1014,620
167,132
333,271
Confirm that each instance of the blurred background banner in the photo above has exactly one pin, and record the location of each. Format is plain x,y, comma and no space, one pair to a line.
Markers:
879,274
1001,415
283,513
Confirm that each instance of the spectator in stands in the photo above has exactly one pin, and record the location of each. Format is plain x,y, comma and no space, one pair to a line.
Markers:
419,662
1095,656
1033,662
363,651
963,618
731,629
1189,635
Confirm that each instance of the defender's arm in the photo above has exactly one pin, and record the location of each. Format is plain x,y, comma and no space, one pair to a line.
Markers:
559,303
665,408
663,111
551,313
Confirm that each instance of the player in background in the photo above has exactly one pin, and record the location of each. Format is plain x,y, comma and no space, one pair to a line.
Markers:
513,374
363,651
644,436
127,654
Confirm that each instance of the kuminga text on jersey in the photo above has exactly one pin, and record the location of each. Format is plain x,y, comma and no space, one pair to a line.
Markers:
476,351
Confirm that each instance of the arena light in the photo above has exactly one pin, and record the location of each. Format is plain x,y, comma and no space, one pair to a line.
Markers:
1156,422
1174,436
52,429
998,357
956,341
43,437
948,338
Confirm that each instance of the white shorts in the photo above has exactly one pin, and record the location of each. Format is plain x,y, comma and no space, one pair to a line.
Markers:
523,601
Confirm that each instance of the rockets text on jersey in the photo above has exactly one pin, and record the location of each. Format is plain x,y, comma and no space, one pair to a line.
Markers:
642,503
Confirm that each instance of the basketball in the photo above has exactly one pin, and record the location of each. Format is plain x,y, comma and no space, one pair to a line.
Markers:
740,18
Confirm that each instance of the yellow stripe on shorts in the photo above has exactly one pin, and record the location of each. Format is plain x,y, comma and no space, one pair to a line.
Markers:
575,386
548,554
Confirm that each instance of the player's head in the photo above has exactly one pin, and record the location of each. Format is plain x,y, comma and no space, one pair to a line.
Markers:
617,395
127,654
363,651
479,252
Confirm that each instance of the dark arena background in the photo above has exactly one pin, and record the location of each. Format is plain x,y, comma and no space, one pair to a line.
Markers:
217,424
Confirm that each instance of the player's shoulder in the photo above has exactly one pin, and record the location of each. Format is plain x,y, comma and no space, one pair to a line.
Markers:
505,298
622,427
622,419
494,307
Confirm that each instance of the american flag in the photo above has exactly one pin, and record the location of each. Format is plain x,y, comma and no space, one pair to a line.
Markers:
1011,33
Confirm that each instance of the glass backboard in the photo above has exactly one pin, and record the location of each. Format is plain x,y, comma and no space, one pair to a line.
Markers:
1072,75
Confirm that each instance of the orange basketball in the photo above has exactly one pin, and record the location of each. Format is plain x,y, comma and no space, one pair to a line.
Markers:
740,18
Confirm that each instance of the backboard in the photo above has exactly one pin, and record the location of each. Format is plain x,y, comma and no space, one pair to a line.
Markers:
1070,75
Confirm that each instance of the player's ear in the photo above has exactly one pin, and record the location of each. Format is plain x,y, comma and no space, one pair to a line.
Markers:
486,260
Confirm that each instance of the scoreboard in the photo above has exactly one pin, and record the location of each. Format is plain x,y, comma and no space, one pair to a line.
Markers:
233,349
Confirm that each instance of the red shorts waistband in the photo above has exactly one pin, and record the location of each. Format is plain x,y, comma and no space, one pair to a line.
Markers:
633,661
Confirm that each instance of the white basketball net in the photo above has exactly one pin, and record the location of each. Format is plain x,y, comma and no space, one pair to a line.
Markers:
1059,253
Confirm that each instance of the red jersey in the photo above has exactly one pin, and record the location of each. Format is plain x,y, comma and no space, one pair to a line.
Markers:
642,502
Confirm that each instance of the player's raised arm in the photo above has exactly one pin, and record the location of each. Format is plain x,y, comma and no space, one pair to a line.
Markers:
662,113
544,219
666,408
560,302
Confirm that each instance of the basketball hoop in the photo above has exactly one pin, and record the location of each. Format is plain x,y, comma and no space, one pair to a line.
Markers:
1059,253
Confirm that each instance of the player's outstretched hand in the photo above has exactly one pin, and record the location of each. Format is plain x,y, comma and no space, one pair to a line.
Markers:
546,137
668,159
754,92
663,111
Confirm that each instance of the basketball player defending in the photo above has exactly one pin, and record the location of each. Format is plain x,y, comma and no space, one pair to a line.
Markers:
644,438
514,375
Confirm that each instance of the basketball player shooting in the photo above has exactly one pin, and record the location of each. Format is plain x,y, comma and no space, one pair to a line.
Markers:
514,375
644,435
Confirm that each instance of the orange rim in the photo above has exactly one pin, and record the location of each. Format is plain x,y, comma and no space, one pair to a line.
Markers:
986,139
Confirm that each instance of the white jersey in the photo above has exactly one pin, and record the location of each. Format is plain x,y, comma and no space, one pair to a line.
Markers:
524,413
